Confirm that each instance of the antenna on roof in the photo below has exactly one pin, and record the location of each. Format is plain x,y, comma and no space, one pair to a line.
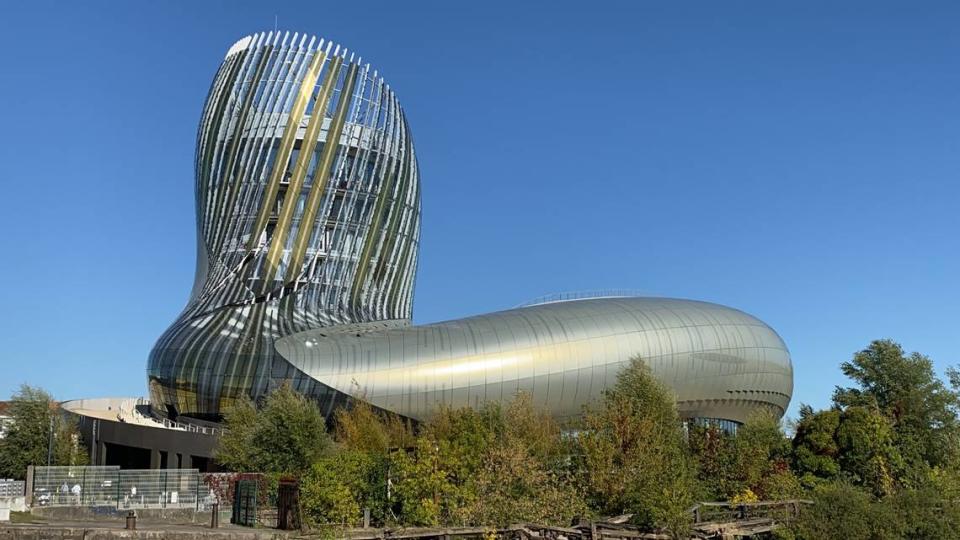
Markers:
274,22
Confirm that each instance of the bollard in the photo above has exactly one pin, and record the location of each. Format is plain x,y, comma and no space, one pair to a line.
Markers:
366,518
215,516
131,521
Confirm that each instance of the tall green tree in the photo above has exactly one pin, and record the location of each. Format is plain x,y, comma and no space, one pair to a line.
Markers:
233,449
426,487
855,443
883,460
905,389
524,476
634,454
286,435
354,476
816,452
360,427
712,450
494,466
36,422
753,462
867,454
436,481
763,458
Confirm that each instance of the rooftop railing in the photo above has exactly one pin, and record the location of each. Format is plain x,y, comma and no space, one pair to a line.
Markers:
583,295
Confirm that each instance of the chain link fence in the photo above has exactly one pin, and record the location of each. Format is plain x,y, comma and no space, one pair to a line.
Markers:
99,486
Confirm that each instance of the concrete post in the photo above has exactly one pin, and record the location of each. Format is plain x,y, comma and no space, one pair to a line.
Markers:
154,458
101,453
29,486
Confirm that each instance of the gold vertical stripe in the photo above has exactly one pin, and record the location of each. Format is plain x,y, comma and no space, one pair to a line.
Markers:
279,240
286,147
321,176
260,139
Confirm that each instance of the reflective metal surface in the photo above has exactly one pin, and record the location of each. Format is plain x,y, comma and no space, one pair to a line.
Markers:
308,219
722,363
308,203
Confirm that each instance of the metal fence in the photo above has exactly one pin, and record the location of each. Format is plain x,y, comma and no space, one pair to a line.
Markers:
12,488
123,489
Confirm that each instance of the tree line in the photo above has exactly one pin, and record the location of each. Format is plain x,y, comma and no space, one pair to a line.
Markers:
880,462
37,433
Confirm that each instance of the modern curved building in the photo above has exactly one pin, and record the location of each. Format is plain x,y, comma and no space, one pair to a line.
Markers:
722,363
308,216
308,201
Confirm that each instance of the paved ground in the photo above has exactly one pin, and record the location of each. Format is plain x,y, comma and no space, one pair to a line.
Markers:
30,529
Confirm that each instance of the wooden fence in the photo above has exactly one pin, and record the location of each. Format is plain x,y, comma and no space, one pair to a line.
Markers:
711,520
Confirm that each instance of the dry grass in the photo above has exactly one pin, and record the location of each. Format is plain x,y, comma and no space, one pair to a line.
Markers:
25,517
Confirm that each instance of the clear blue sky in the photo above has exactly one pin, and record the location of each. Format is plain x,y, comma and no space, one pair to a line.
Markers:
797,160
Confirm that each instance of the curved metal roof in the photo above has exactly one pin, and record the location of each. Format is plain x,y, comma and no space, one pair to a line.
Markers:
721,363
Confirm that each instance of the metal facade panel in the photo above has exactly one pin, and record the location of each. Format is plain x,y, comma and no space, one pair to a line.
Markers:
308,201
278,231
726,379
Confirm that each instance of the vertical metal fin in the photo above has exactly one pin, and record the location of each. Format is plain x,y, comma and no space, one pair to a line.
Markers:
321,176
299,168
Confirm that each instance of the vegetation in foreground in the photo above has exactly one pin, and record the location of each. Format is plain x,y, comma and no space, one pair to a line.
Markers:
882,462
37,428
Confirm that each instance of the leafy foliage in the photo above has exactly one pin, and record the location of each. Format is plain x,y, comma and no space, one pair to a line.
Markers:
362,428
755,460
882,462
523,477
899,423
492,466
338,487
287,435
884,459
35,416
841,510
867,452
233,449
713,452
634,454
924,513
815,448
435,480
904,389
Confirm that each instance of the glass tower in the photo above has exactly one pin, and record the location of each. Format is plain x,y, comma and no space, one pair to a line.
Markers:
308,216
